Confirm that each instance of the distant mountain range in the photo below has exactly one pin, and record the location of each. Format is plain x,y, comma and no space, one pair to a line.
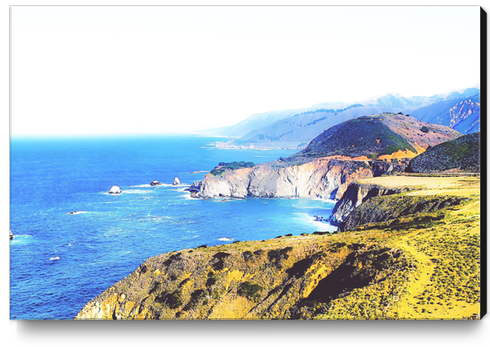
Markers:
296,128
461,114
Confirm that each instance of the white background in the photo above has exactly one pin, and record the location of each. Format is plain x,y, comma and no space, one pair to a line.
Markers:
112,70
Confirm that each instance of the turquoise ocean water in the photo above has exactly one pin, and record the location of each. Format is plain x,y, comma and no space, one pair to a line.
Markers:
59,262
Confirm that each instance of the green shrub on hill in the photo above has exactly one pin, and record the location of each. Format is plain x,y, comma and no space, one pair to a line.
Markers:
222,166
361,136
462,153
249,290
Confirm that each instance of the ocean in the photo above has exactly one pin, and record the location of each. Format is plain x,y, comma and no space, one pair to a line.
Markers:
60,261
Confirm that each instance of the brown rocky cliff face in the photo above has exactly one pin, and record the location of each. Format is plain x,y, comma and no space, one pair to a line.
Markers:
325,178
354,196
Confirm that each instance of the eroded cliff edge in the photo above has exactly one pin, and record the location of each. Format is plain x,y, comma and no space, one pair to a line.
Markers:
355,195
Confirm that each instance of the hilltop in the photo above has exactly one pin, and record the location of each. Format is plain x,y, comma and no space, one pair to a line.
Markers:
295,132
377,137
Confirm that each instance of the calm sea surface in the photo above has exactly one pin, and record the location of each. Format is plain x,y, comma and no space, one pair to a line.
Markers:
59,262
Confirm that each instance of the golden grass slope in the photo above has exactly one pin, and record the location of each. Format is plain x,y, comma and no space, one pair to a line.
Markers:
422,266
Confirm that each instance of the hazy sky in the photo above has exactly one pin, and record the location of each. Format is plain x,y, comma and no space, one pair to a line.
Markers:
109,70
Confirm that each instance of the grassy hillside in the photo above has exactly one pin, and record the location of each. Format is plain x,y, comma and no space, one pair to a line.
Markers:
378,136
462,154
423,265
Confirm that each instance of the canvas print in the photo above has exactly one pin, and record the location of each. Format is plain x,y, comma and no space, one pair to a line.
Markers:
245,163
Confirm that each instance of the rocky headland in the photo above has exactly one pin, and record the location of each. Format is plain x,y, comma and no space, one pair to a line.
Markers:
368,146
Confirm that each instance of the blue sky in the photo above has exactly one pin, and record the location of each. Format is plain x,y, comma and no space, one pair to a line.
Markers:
118,70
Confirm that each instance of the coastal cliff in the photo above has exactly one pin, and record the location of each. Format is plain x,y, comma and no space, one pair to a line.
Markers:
388,268
368,146
354,196
395,197
325,178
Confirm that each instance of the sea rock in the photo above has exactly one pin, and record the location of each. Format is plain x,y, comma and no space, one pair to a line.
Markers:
176,181
11,235
115,190
196,185
154,183
354,196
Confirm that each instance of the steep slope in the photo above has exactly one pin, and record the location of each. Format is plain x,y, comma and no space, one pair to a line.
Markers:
364,147
462,154
462,115
378,136
423,265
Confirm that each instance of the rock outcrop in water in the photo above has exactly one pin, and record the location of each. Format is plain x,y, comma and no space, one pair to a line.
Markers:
11,235
155,183
176,181
115,190
194,188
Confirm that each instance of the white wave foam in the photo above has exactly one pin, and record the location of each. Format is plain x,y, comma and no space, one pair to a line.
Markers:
183,187
187,197
20,238
142,186
54,258
311,207
321,226
225,239
136,191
